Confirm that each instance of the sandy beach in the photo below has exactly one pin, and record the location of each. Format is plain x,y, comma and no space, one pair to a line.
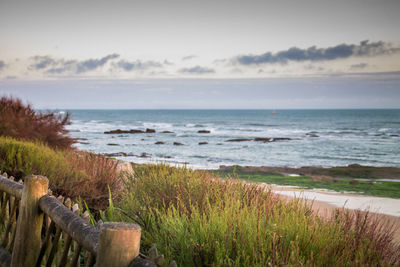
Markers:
324,202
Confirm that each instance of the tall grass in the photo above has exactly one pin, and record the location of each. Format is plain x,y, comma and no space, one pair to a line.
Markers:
74,174
22,122
200,220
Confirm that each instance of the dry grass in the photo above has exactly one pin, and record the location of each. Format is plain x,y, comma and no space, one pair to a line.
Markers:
102,176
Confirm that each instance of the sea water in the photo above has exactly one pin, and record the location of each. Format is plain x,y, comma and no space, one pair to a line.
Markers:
317,137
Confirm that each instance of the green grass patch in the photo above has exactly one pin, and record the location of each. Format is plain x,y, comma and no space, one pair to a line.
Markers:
76,175
371,188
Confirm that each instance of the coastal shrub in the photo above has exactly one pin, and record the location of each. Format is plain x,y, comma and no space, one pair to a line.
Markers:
22,122
20,158
201,220
102,176
74,174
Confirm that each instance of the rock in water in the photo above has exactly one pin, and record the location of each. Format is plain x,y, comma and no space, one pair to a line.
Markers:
178,144
239,140
119,131
312,135
119,154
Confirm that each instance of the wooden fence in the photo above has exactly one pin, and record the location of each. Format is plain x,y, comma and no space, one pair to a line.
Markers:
38,229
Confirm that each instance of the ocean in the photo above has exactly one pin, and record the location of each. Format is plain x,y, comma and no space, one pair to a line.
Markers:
292,138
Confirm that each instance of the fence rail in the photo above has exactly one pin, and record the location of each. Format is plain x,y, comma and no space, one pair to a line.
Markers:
39,230
80,230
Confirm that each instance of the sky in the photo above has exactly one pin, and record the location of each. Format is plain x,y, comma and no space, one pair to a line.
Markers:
201,54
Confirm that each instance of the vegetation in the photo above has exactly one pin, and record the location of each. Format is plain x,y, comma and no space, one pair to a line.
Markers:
73,174
24,123
193,217
359,171
350,171
372,188
200,220
33,142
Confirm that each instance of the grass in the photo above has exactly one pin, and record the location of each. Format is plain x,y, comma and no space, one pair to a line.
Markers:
200,220
359,171
372,188
76,175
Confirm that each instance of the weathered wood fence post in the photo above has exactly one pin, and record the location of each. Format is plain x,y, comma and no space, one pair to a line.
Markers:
30,220
119,244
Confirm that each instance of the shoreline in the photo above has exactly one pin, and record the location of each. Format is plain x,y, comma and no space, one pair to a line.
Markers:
378,205
357,171
325,208
351,200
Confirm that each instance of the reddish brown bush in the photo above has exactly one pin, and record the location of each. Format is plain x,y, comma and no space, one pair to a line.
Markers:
21,121
102,176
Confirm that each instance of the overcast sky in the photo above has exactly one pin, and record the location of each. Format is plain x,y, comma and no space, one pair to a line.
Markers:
201,54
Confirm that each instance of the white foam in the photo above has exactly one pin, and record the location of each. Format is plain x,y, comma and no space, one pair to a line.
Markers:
158,125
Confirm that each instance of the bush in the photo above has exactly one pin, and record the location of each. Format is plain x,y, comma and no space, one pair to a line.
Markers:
24,123
200,220
103,177
73,174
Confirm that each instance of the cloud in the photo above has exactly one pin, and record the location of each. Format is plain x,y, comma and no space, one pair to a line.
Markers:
220,61
42,62
59,66
2,64
359,66
62,66
188,57
313,67
92,64
138,65
341,51
236,70
197,70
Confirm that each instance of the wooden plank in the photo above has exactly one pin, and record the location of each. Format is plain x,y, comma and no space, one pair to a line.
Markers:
10,187
80,230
